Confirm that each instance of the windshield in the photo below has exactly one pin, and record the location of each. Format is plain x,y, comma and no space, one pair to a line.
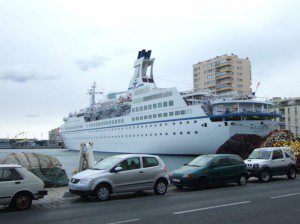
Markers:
260,155
106,163
200,161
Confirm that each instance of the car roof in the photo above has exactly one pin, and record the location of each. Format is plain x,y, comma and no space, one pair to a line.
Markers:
125,156
10,166
218,155
272,148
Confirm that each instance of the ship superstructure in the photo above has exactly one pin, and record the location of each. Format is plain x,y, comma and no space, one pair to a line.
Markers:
148,119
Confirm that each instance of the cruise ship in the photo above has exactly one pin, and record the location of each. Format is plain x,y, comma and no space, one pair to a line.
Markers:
149,119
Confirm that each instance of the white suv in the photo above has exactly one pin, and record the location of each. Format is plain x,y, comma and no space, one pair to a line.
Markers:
18,187
264,163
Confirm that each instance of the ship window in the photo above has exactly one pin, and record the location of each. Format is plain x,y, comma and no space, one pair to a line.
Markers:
165,114
165,104
159,105
187,122
141,117
137,118
154,106
174,133
180,122
174,123
145,126
177,112
155,134
133,110
188,132
171,103
171,113
145,107
154,116
160,133
137,109
150,116
145,117
195,122
183,112
166,133
145,134
150,125
181,133
141,108
160,124
159,115
149,107
150,134
196,132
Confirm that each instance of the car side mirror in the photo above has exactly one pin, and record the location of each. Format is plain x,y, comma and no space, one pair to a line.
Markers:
118,169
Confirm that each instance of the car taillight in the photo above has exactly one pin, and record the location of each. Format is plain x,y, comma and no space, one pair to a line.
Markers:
165,168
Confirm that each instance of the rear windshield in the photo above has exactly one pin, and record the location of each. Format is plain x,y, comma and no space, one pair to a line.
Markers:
200,161
106,163
260,154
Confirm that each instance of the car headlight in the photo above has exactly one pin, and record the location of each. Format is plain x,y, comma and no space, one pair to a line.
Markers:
85,180
188,176
255,166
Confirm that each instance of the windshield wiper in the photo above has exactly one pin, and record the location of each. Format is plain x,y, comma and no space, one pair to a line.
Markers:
193,165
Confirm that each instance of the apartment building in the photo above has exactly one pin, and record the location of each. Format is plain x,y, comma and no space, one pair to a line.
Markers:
223,74
289,109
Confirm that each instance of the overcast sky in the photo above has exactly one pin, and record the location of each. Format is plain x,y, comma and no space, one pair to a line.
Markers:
52,51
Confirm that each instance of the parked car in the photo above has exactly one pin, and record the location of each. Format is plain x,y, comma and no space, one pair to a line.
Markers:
121,173
209,170
264,163
18,187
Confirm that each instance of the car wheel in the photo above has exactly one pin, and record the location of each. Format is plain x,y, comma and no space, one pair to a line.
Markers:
102,192
265,176
179,187
242,180
22,202
292,173
202,183
161,187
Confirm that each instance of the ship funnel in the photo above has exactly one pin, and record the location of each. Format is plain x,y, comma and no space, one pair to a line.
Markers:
144,53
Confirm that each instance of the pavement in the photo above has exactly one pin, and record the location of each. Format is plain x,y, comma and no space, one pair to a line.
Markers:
275,202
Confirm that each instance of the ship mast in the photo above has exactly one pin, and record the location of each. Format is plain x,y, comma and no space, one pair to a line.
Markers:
92,92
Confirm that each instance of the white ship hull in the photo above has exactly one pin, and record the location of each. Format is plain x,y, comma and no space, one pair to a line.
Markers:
188,138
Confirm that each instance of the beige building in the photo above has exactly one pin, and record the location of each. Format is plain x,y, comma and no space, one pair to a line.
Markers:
289,109
223,74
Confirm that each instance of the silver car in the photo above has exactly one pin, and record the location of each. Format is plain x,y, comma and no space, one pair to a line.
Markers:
119,174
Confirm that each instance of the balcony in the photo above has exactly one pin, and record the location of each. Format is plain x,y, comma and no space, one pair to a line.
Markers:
223,63
223,75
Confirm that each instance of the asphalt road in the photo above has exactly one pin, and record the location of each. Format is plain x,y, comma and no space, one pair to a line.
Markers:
274,202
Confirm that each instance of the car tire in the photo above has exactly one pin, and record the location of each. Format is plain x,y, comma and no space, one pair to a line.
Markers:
202,183
103,192
160,187
22,202
292,173
179,187
265,176
242,180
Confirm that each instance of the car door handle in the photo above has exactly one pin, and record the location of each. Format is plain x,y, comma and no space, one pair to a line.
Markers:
17,182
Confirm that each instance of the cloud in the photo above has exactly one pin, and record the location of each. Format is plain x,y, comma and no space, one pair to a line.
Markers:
32,115
91,63
24,73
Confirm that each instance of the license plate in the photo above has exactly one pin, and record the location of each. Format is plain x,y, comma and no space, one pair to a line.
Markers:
175,180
